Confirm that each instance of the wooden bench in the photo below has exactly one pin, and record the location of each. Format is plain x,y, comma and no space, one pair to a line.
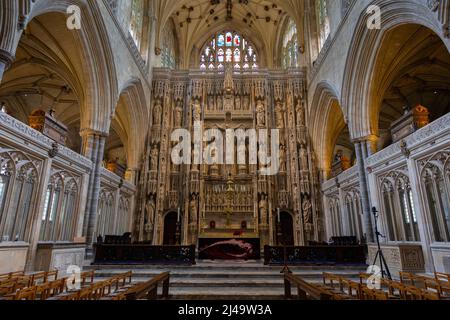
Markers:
306,290
149,290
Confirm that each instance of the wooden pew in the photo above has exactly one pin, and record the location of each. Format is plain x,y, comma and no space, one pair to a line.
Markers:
149,290
306,290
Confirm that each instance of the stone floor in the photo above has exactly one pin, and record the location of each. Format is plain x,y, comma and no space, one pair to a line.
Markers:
215,280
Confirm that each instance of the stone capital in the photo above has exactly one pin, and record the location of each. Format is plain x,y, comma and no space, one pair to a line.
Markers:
6,58
91,132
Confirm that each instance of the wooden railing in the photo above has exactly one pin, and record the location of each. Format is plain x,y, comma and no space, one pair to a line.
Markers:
149,290
305,290
143,254
315,255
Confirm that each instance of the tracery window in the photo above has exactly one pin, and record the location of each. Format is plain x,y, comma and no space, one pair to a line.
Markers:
229,47
105,222
59,216
18,181
398,208
335,215
123,216
354,214
323,21
290,46
137,21
168,47
436,180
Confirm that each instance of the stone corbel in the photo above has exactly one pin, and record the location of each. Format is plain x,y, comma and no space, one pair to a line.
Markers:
404,149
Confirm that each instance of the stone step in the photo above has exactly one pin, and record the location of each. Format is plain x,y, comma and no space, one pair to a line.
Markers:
230,281
228,269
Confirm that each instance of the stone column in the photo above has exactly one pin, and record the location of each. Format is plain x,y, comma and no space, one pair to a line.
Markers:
5,61
93,148
361,155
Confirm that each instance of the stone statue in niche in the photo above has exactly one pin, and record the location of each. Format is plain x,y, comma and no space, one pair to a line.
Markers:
157,113
196,111
154,159
150,213
178,114
238,103
283,158
307,211
211,104
246,103
260,114
263,209
279,115
300,110
193,209
219,106
304,158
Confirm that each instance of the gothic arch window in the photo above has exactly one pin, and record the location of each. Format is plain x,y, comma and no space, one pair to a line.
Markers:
290,46
105,222
398,208
354,218
436,182
323,21
123,216
137,21
60,206
229,47
335,215
18,182
168,47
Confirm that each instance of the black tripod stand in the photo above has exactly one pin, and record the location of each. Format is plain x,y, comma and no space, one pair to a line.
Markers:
383,265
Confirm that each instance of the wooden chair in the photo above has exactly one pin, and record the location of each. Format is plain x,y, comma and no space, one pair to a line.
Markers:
373,294
56,287
330,280
351,288
37,278
87,278
26,294
51,276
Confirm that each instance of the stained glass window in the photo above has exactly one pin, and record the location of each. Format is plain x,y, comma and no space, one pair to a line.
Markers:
323,20
136,21
290,46
231,48
168,45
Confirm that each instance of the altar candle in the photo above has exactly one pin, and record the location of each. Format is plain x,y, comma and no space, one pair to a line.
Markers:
279,215
179,215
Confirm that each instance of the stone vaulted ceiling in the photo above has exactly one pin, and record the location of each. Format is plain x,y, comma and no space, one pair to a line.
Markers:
258,20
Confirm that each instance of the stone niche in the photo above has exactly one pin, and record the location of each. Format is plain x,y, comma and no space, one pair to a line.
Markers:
13,256
46,123
399,257
411,121
59,256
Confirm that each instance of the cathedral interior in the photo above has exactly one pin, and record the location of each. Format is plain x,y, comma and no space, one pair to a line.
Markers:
93,92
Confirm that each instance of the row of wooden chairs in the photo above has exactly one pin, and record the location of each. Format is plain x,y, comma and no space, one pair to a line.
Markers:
352,288
435,285
403,290
11,275
40,285
97,290
13,283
